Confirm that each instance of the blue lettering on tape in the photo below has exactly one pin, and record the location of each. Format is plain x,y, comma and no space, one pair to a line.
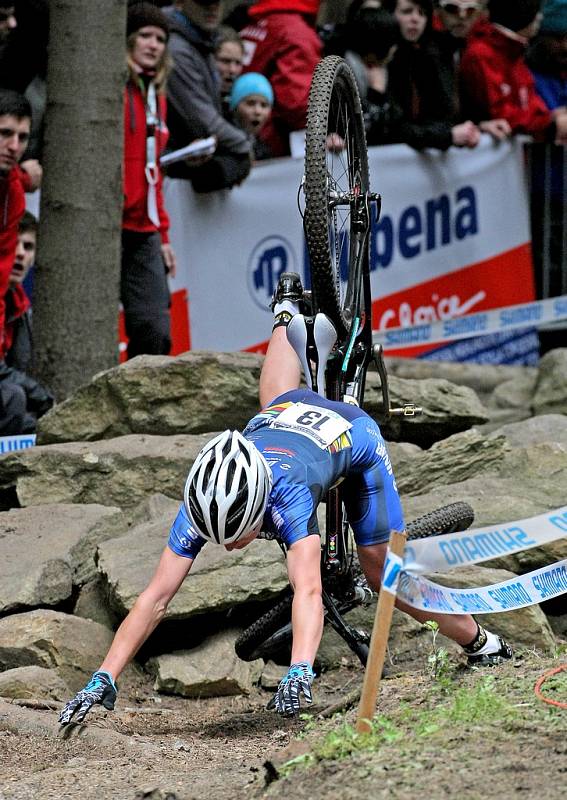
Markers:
422,333
560,307
9,444
476,323
559,521
391,575
434,598
519,316
511,596
470,602
485,545
407,589
551,582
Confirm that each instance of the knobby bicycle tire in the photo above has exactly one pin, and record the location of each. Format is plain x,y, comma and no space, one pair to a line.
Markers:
272,631
334,107
448,519
257,640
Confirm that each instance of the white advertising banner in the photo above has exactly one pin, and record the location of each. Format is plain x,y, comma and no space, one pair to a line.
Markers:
453,239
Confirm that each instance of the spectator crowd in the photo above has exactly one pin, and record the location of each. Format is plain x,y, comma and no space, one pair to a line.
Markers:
431,74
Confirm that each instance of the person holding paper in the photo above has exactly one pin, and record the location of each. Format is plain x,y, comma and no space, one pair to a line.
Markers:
194,107
147,256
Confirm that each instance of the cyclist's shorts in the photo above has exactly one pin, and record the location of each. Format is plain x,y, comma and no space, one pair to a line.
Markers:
371,497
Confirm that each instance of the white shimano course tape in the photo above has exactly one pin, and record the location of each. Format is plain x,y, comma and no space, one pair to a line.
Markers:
525,315
519,592
391,573
473,546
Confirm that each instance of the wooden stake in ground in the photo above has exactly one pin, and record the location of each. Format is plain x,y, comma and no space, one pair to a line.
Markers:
380,631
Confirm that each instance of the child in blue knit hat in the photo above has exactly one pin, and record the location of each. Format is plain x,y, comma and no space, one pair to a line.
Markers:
251,101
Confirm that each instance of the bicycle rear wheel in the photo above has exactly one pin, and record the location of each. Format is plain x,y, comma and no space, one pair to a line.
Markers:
269,634
336,220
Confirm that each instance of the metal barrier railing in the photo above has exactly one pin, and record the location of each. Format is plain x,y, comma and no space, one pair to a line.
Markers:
547,181
547,177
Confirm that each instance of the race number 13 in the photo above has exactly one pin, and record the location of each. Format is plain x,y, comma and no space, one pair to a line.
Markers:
321,425
315,419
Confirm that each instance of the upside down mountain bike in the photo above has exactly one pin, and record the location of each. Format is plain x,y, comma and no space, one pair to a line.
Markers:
335,343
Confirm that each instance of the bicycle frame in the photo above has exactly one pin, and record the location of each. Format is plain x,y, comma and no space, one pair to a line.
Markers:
345,375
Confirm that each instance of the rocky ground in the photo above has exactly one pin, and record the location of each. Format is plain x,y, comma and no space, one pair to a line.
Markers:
459,736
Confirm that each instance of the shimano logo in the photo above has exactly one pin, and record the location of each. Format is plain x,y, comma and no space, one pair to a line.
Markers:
271,256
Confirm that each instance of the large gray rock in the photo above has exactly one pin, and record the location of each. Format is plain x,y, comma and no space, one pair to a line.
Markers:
511,401
506,391
550,395
515,393
73,647
525,626
41,550
473,452
447,409
159,395
92,603
211,670
527,482
449,461
33,682
153,507
118,472
483,378
218,580
547,428
196,392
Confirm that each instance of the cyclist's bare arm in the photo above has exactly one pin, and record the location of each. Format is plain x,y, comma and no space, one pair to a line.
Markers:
304,570
147,612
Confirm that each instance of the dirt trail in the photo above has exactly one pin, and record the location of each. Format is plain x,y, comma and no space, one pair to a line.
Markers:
167,748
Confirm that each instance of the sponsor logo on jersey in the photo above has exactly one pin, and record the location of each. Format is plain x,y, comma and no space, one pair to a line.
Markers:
281,450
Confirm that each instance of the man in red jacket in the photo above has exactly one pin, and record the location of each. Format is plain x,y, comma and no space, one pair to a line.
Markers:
282,44
15,122
495,80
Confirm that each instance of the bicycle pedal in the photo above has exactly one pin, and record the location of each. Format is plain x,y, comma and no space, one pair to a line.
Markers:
362,636
364,594
407,410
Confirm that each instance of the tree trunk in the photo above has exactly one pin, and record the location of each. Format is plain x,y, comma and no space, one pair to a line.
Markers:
76,291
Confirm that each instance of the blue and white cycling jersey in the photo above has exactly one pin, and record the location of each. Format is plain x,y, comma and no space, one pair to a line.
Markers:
312,444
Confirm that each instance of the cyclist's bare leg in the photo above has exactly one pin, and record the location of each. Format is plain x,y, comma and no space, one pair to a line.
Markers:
281,371
461,628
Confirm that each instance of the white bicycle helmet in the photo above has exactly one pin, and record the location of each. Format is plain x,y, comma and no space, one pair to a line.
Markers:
227,489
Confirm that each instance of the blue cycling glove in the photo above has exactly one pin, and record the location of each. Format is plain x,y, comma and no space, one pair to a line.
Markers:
295,683
100,689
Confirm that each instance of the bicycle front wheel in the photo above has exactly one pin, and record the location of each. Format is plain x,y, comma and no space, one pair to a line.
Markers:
448,519
336,220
